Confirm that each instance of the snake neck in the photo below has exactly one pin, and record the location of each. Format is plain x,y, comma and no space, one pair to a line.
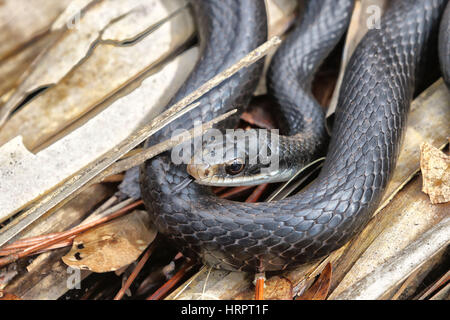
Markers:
317,32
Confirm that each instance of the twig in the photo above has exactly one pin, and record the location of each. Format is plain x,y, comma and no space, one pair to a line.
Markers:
257,193
438,284
135,272
102,211
161,292
260,278
20,247
142,156
66,234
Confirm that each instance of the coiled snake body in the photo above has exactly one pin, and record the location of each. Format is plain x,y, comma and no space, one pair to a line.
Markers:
370,117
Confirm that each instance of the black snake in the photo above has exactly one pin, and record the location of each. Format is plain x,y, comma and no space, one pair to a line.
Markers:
374,99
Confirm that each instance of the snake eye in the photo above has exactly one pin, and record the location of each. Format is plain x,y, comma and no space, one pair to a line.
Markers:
235,167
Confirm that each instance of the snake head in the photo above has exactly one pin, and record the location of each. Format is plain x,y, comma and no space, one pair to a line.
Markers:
237,158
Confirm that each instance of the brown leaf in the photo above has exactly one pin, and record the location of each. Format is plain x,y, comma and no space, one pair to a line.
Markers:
435,166
112,246
319,289
275,288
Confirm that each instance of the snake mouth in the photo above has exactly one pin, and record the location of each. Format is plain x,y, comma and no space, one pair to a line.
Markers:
199,172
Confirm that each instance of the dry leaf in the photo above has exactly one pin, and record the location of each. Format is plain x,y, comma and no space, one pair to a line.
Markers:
21,21
435,166
12,67
112,246
68,155
275,288
75,93
78,38
319,289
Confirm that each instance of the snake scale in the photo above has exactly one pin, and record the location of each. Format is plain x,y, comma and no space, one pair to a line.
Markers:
370,118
